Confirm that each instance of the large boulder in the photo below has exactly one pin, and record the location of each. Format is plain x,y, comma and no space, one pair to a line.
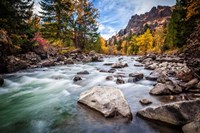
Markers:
178,113
1,80
109,101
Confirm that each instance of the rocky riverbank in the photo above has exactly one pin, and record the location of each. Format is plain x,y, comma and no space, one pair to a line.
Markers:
175,79
34,60
172,77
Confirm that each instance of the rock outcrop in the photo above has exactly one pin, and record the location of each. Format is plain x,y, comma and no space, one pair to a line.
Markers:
178,113
109,101
155,18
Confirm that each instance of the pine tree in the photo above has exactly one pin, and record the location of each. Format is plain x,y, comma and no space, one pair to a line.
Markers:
55,16
85,25
14,17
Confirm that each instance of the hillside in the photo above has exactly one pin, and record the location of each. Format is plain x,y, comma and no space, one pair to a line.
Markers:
157,17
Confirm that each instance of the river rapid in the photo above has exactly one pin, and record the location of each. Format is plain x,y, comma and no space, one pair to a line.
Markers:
44,100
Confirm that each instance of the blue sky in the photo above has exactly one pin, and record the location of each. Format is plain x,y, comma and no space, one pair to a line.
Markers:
115,14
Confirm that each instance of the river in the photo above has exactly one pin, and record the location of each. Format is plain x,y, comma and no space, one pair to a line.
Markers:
44,100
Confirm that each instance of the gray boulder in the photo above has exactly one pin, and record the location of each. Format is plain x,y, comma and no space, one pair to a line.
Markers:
178,113
109,101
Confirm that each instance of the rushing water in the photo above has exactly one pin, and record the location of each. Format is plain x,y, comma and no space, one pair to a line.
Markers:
45,100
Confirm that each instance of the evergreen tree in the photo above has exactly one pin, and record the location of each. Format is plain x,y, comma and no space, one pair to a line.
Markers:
85,25
14,15
55,17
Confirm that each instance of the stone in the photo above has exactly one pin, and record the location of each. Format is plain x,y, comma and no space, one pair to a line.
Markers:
138,65
109,101
103,71
145,101
15,64
192,127
160,89
108,64
77,78
132,79
47,63
31,58
83,73
191,84
177,113
184,76
69,61
137,75
1,80
109,78
147,60
152,76
112,70
120,81
119,65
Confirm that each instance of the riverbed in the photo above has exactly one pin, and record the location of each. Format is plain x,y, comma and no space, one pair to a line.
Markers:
44,100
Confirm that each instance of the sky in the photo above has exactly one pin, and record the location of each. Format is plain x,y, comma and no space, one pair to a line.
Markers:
115,14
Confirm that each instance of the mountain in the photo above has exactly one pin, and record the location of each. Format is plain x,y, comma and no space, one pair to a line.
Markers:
155,18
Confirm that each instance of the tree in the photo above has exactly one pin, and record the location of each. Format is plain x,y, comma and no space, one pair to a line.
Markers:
133,45
55,17
85,24
145,41
159,36
14,16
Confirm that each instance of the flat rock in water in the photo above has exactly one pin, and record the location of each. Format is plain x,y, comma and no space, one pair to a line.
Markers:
178,113
138,65
83,73
109,101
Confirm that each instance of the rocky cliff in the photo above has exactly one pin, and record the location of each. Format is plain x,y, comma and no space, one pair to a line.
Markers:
155,18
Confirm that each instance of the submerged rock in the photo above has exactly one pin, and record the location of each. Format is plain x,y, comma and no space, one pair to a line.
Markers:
138,76
1,80
83,73
109,78
138,65
77,78
109,101
120,81
145,101
178,113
